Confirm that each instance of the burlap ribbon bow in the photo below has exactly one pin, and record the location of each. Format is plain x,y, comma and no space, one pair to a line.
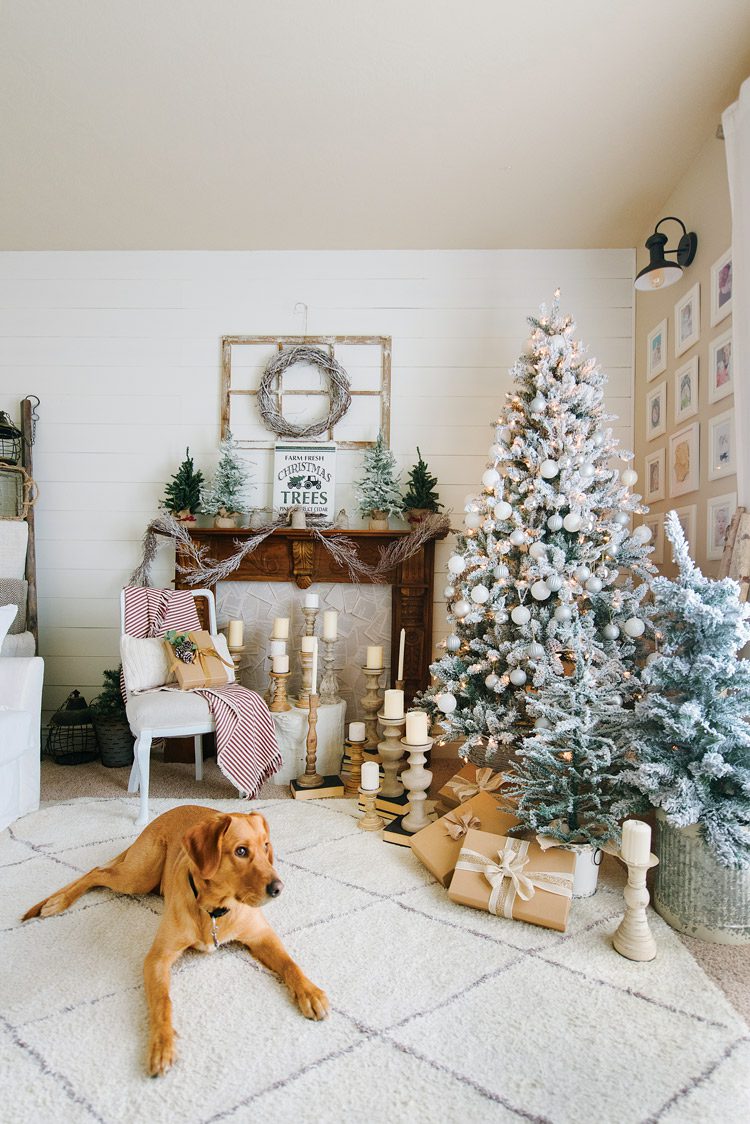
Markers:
456,825
508,880
487,780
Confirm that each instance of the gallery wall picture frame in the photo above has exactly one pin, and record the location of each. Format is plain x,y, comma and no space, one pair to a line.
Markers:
656,351
721,287
655,524
687,320
722,460
686,391
720,367
654,476
719,513
684,460
656,411
688,517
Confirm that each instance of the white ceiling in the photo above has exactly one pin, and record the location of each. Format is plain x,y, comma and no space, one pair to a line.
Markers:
241,124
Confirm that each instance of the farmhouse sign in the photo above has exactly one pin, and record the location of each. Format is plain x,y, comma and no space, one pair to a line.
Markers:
304,475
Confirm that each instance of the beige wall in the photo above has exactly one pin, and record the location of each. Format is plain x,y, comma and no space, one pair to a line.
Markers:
701,200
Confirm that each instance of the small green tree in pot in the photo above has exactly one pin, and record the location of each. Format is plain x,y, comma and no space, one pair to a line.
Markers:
182,495
111,723
421,498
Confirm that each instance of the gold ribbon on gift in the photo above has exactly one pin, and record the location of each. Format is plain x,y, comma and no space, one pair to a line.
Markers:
200,656
508,880
456,825
487,780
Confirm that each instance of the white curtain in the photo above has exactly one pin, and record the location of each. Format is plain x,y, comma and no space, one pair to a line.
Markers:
736,122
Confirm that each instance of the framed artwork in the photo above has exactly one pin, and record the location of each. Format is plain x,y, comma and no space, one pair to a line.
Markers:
720,367
720,510
721,442
656,354
687,517
654,481
721,288
656,411
687,320
686,390
655,524
684,460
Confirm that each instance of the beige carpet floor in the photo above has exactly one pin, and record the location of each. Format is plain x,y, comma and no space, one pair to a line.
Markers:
728,966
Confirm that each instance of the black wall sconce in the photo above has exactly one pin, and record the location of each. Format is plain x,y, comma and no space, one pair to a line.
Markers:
659,273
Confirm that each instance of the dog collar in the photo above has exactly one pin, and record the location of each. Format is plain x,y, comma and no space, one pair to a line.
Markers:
212,913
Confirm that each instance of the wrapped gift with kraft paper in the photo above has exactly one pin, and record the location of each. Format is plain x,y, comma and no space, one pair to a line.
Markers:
437,847
208,668
514,878
470,781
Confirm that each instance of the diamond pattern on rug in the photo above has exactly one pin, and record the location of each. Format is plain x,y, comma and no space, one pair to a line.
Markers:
439,1012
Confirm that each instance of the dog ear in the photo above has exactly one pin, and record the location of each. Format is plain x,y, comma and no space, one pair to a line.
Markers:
264,821
203,844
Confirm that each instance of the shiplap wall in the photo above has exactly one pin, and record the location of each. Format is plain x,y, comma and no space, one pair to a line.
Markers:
123,350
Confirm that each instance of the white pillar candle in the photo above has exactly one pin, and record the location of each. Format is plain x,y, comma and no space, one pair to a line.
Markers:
374,656
636,842
357,732
280,628
393,704
280,664
330,624
311,600
370,776
401,646
236,634
417,727
308,643
277,648
314,688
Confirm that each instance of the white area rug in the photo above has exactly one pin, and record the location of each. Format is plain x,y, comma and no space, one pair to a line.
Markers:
440,1013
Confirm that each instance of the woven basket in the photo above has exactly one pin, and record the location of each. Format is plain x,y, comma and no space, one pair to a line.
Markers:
115,741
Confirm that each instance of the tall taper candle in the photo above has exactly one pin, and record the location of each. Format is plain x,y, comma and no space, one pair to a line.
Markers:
401,645
330,623
314,688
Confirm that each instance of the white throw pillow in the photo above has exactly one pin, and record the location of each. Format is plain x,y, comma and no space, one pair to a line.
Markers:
144,663
7,616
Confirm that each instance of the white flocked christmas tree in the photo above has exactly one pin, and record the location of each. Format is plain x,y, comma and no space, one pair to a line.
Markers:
228,491
545,596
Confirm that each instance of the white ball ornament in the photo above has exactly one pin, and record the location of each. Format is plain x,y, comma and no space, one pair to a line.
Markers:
534,651
520,615
449,592
634,627
642,534
505,435
610,631
538,550
565,460
456,564
629,477
472,520
501,616
542,724
502,511
572,522
491,680
540,591
598,438
517,677
554,581
447,702
555,522
587,470
652,658
621,518
594,584
549,469
461,609
480,594
501,572
517,537
490,479
582,573
453,642
562,613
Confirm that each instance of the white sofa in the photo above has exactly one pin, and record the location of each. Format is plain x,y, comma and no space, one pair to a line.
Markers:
20,722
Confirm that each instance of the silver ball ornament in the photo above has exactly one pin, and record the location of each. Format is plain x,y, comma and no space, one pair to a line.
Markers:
555,522
610,631
517,537
491,680
642,535
501,572
453,642
534,651
594,585
520,615
582,573
554,581
517,677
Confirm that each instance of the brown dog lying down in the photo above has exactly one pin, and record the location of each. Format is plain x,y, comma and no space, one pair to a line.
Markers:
214,871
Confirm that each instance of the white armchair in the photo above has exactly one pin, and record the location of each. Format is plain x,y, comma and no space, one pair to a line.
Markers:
21,693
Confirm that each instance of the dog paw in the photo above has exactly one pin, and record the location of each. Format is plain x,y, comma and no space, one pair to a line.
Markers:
54,904
313,1003
161,1053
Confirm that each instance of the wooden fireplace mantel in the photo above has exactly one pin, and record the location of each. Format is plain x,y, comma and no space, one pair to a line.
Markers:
291,555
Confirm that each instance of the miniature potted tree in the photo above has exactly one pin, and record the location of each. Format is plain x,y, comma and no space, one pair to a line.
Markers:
111,723
182,495
421,498
378,493
226,496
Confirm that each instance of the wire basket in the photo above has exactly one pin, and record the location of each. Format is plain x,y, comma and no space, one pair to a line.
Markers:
72,738
10,440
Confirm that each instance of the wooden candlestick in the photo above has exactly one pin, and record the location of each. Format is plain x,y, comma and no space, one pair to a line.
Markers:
306,662
633,937
416,780
310,618
391,751
329,684
371,702
371,821
237,653
279,702
354,776
311,778
399,684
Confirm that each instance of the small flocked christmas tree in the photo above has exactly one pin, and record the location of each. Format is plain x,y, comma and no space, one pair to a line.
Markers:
378,490
545,594
691,727
227,494
182,495
421,494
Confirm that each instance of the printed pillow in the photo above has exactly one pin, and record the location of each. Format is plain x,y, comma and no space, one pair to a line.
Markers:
144,663
7,615
15,592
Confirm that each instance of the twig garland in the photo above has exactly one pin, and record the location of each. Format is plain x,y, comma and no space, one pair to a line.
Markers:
343,551
220,571
338,391
400,549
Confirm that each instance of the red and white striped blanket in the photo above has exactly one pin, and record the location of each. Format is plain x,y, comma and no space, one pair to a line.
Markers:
246,748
